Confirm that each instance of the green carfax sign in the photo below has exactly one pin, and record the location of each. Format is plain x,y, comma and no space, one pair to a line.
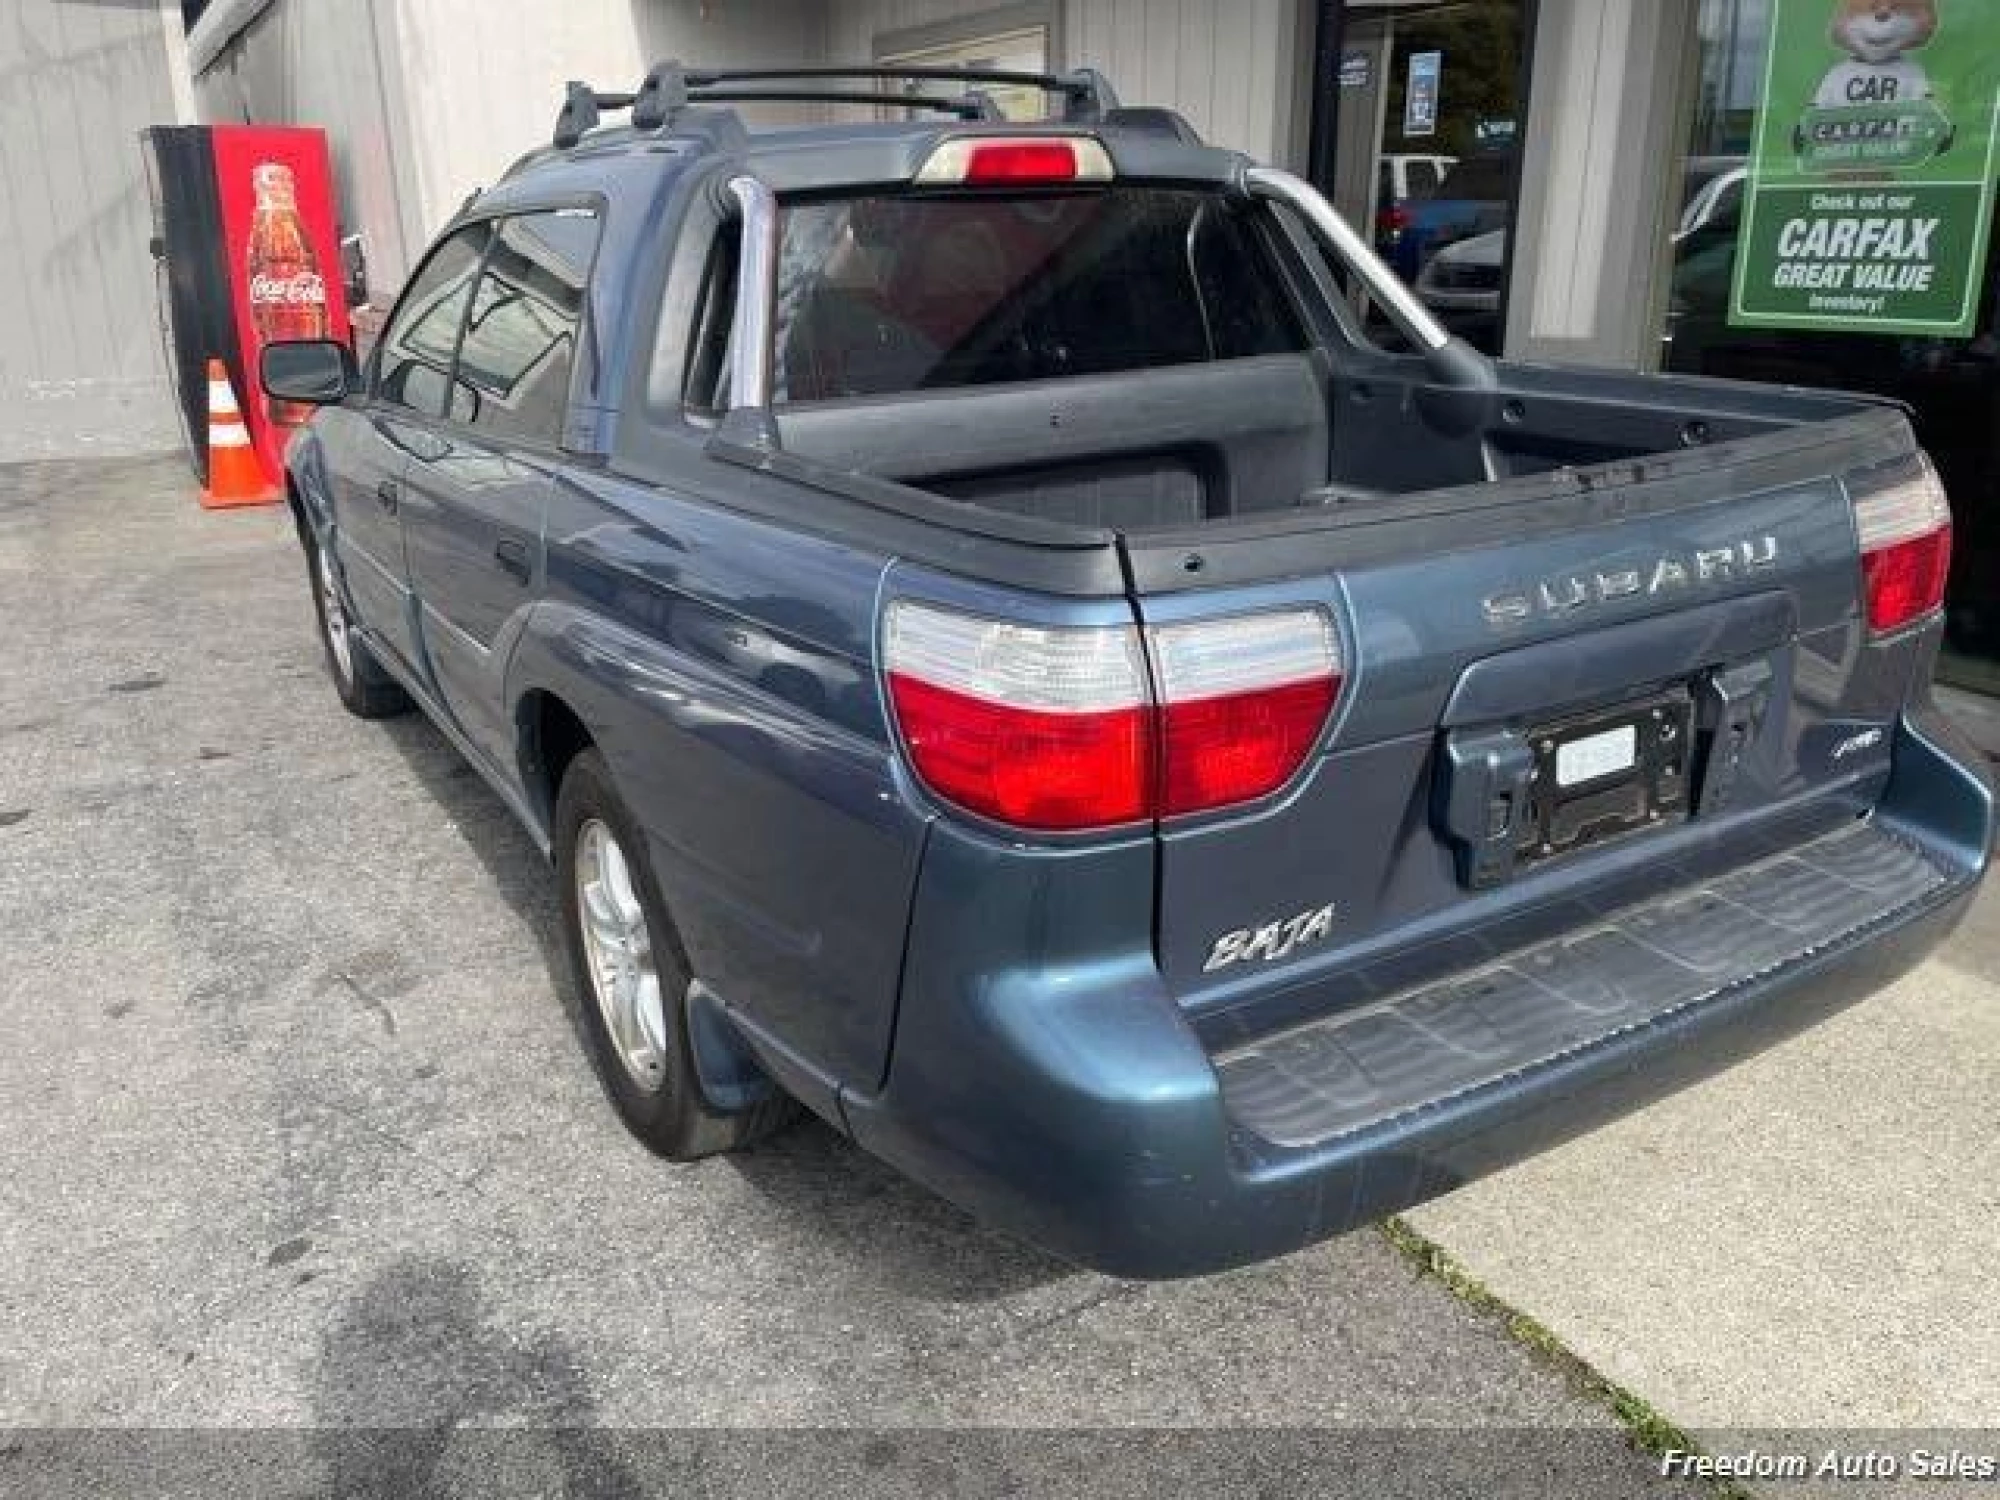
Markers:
1871,180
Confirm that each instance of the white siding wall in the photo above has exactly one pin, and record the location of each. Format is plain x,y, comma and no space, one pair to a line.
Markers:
1235,68
313,62
425,100
80,368
470,86
851,25
1599,180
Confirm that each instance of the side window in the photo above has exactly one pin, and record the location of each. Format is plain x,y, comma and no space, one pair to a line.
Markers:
414,366
520,338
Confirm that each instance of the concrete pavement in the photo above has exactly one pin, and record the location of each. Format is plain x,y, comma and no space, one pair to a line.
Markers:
297,1134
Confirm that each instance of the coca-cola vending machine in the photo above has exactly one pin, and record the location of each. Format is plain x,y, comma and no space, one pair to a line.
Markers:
248,247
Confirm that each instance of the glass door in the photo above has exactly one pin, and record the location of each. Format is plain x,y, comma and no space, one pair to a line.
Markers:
1951,384
1417,113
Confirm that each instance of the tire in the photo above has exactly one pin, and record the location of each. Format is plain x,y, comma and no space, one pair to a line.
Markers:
618,936
365,687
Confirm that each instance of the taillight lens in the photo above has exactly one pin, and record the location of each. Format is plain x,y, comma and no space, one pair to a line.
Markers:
1057,729
1242,702
1905,532
1024,161
1035,726
1000,161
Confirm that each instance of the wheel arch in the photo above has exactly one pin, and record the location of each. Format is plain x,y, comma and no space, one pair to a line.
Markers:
549,734
295,503
727,1070
306,492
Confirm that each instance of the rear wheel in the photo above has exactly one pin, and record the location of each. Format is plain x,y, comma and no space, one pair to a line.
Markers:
365,687
633,979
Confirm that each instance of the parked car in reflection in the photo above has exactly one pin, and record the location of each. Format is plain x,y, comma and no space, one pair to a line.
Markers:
1470,199
1461,284
1705,261
1401,176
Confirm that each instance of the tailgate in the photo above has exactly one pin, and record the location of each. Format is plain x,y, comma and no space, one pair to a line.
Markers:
1549,687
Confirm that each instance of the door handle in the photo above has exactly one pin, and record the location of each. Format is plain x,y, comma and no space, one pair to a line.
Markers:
388,495
512,555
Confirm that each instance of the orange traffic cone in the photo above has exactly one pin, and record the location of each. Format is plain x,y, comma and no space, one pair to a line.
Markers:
235,477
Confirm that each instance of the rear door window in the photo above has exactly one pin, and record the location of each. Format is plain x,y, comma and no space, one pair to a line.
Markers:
880,296
413,365
520,338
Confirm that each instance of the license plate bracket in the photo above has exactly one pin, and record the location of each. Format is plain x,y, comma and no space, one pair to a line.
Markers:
1606,774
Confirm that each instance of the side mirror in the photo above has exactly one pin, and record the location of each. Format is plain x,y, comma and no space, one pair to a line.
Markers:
312,372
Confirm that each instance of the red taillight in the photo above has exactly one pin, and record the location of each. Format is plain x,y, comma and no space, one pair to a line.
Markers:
1905,533
1217,751
1028,767
1036,726
1019,160
1241,702
1906,581
1392,220
1058,729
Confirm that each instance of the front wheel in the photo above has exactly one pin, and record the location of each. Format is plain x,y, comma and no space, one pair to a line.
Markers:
365,687
632,977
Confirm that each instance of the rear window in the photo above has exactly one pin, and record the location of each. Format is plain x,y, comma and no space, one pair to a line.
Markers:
878,296
1424,177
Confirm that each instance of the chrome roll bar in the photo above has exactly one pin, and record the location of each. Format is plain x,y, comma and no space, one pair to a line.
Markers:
750,351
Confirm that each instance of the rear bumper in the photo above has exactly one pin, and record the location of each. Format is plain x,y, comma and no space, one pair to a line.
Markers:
1077,1108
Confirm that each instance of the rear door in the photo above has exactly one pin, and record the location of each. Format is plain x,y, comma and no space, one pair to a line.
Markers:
477,490
410,389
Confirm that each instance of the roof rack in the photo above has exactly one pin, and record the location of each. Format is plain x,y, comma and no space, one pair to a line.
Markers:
672,87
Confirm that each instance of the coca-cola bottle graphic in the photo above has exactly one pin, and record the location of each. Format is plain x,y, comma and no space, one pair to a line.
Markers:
287,292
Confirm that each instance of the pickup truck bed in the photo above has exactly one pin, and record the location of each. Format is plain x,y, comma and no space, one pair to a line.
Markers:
1171,775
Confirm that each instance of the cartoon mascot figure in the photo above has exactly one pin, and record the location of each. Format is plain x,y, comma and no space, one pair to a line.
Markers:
1878,36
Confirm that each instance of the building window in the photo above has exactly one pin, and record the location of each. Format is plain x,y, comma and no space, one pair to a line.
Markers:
1780,101
1009,48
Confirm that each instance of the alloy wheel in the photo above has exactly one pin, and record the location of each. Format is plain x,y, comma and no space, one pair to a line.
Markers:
618,955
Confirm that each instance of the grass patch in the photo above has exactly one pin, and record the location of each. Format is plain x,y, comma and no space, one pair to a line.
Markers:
1649,1431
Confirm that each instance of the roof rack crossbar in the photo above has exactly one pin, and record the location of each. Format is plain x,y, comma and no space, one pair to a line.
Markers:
671,87
972,106
1055,83
1086,92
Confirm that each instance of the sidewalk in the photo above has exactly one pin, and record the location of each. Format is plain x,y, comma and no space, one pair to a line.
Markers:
1806,1240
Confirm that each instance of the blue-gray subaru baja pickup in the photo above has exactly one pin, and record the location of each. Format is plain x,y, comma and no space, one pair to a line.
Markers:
1026,640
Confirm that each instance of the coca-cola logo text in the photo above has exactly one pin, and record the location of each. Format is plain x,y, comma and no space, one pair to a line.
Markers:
299,289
